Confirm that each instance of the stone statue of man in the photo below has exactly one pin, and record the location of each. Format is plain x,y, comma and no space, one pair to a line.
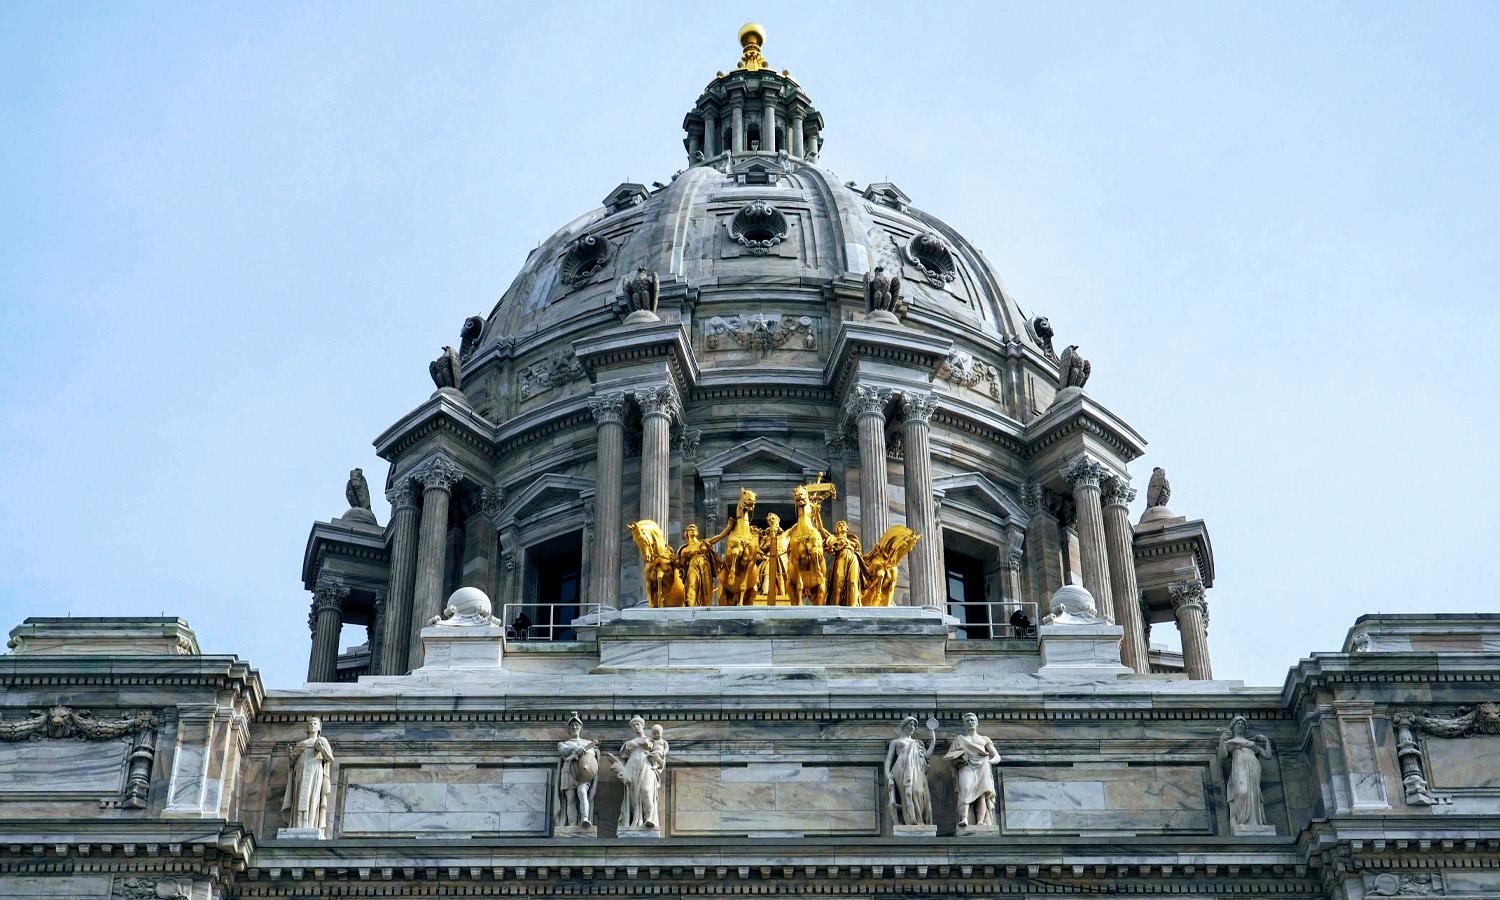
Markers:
305,804
577,776
974,758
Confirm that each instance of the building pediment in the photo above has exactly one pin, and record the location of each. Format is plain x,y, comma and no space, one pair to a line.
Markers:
982,494
761,456
547,494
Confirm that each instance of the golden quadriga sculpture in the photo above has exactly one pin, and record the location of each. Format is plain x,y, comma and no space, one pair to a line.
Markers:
768,565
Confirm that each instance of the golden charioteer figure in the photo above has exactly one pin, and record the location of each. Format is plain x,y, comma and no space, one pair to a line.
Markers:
766,565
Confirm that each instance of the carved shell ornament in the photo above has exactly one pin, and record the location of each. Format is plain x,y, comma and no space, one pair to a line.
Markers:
583,259
930,254
759,226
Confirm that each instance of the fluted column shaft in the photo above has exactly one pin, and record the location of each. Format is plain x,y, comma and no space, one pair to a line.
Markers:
768,128
867,407
437,479
1120,538
377,630
659,407
737,124
325,621
797,148
403,550
1086,477
926,568
1191,608
711,146
609,466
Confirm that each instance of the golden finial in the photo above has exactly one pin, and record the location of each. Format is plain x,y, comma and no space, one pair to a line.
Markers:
752,38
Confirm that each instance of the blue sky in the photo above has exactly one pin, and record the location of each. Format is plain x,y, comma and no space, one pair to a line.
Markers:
234,235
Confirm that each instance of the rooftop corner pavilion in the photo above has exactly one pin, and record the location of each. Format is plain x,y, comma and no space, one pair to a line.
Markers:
756,542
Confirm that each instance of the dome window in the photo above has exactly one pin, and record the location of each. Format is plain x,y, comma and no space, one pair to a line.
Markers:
929,253
759,226
583,259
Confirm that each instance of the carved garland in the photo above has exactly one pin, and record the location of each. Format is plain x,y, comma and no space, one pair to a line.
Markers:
763,332
964,370
66,723
549,373
1483,719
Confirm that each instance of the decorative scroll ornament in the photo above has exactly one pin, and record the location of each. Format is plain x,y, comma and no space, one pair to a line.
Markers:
762,332
468,337
1482,719
583,259
1041,326
549,373
759,226
64,723
965,370
930,254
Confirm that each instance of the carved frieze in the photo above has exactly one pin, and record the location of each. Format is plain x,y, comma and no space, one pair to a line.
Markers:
965,370
149,889
136,753
1480,720
64,722
547,374
763,332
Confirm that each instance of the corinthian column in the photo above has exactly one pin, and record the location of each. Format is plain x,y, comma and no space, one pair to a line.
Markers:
866,406
609,470
1120,538
925,566
1085,476
402,541
1191,608
437,478
325,620
660,406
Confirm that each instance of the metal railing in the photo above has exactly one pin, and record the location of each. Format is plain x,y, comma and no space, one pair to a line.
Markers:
993,620
545,621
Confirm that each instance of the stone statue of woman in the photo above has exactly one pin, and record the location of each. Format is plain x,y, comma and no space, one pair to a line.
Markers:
907,797
1239,757
974,755
640,767
577,775
304,807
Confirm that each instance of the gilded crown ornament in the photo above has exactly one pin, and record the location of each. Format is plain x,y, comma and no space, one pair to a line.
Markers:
752,37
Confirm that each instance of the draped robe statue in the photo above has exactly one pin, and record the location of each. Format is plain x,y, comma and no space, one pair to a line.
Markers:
641,766
1239,757
577,774
907,796
305,804
974,757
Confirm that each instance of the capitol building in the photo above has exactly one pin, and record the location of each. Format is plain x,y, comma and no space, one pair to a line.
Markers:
756,543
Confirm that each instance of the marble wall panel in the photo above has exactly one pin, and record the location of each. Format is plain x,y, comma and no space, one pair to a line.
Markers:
63,767
774,798
441,799
1471,762
1106,797
49,887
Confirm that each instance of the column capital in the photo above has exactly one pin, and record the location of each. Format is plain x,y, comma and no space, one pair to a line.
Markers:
1118,492
402,495
440,473
867,400
608,409
1085,473
1189,595
918,406
661,400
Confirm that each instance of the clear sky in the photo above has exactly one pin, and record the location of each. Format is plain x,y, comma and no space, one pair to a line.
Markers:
235,234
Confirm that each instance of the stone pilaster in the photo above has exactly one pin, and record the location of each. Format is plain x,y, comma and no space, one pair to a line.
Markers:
866,406
711,146
737,125
403,550
437,478
1043,550
798,146
768,127
609,416
660,407
1190,605
1119,537
378,607
1086,477
325,620
926,567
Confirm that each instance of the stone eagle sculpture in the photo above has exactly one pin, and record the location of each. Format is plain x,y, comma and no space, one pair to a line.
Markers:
1158,489
468,337
883,292
445,369
1072,370
641,290
357,491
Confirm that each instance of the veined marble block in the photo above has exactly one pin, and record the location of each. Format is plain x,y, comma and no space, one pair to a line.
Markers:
1467,762
766,799
63,768
444,799
462,647
1104,797
55,887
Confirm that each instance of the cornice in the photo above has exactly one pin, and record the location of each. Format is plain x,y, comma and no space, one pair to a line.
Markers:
326,538
667,341
916,350
111,671
1083,415
439,414
1184,538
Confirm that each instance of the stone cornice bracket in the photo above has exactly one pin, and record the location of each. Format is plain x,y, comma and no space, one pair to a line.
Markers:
918,406
1086,472
439,473
1117,491
402,495
661,400
867,400
608,409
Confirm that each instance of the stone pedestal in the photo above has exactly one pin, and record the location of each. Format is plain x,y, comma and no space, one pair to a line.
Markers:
300,834
968,831
462,647
913,831
575,831
1081,651
639,833
1251,829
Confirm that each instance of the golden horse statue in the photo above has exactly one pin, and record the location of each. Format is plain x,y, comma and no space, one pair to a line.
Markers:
739,576
882,562
809,558
658,563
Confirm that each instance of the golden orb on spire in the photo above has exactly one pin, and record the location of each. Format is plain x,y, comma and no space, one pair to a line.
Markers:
752,38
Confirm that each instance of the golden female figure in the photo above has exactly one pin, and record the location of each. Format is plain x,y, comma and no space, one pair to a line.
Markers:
847,564
699,565
774,583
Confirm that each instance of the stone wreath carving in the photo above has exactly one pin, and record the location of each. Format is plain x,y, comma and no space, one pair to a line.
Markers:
583,259
65,723
763,332
964,369
759,226
149,889
548,374
1400,884
1483,718
931,256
